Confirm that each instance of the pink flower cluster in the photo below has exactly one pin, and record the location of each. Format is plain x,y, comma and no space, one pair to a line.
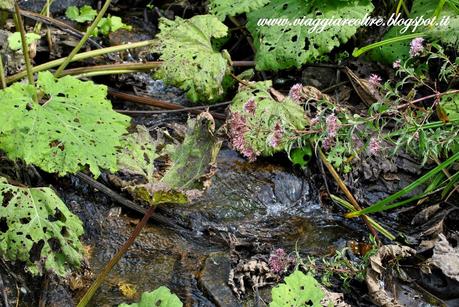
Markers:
416,46
276,137
332,125
375,81
397,64
238,128
374,147
295,92
250,106
279,261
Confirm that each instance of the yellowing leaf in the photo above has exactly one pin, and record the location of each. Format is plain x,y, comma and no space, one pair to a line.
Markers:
161,297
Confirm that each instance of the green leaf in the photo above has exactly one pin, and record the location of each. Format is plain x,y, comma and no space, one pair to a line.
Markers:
84,14
281,47
223,8
110,24
190,62
450,105
161,297
259,126
15,41
299,290
37,228
74,127
301,156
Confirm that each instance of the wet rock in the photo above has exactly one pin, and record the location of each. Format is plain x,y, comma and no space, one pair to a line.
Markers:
57,6
214,280
320,77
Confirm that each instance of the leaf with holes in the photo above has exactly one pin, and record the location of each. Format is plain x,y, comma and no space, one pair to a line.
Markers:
298,290
74,126
36,227
190,61
261,125
223,8
161,297
286,46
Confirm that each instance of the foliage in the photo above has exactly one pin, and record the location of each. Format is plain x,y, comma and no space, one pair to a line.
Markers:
36,227
6,4
190,61
280,47
84,14
15,42
110,24
73,127
260,125
223,8
400,50
191,163
105,26
161,297
298,290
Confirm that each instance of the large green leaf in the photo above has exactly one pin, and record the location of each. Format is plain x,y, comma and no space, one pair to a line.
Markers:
36,227
299,290
252,131
223,8
426,8
281,47
190,61
72,128
161,297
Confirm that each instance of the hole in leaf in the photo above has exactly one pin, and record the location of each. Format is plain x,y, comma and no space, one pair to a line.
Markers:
35,251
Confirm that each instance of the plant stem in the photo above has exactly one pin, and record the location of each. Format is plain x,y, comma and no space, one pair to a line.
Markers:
2,72
375,224
362,50
25,49
346,191
79,57
80,44
103,274
109,68
426,97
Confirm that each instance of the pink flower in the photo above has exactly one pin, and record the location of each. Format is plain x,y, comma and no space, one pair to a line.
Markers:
327,143
375,81
250,106
276,136
238,128
396,64
279,261
332,125
416,46
374,147
295,92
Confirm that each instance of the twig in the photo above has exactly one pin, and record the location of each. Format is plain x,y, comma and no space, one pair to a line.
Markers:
125,202
155,102
103,274
59,25
2,73
437,95
187,109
